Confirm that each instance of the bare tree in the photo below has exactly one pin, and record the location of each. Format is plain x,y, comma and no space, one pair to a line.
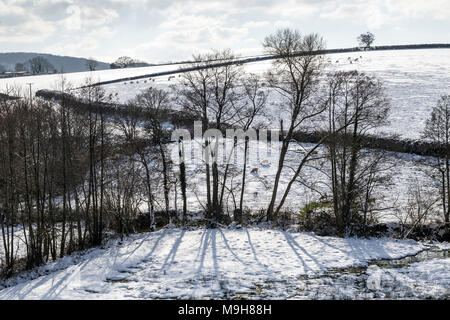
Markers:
130,126
356,103
437,129
183,182
255,106
96,125
9,180
122,62
127,62
154,103
210,92
91,64
222,109
194,95
416,211
122,200
295,77
40,65
366,39
19,67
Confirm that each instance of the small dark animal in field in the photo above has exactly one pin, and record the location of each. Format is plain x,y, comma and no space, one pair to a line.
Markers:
254,170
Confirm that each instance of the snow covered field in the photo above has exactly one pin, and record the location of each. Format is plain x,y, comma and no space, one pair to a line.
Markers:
77,79
414,79
210,263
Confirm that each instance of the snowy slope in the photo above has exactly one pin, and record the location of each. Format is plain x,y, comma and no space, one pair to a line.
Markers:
203,263
414,79
77,79
66,63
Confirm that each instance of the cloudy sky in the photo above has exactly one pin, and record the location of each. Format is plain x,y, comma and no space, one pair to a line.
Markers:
162,30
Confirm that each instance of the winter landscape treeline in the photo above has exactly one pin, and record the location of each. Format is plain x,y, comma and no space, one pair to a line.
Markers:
73,172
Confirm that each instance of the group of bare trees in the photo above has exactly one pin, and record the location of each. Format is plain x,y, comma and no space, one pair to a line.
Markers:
67,175
39,65
353,103
425,204
127,62
36,65
356,104
37,163
350,102
437,129
147,140
295,77
53,171
223,96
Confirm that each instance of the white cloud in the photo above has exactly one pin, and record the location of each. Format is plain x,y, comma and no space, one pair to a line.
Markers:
280,24
26,21
376,13
81,17
19,26
256,24
181,44
159,29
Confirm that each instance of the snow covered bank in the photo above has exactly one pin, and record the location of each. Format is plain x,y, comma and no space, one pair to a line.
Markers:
203,263
426,279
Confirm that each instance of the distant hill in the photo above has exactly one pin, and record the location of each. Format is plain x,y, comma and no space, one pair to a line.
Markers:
61,63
